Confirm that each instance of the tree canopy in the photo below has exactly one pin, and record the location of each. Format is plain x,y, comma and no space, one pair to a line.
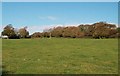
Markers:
96,30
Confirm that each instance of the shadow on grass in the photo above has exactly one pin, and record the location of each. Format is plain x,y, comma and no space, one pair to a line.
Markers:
5,72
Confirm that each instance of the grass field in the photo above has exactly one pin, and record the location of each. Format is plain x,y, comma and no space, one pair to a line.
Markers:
60,56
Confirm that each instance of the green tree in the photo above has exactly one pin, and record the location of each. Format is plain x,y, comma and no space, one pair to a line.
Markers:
9,31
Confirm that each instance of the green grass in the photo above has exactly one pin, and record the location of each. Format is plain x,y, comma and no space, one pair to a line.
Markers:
60,56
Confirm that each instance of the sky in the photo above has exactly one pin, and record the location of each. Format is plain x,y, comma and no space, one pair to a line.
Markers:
60,0
38,16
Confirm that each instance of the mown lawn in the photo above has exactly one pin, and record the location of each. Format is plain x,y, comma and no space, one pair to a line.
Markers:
60,56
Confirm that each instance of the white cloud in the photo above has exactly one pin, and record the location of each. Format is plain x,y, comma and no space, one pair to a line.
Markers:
115,24
33,29
48,18
51,18
42,18
37,28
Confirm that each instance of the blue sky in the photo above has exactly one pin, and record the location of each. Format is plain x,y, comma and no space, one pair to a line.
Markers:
41,15
60,0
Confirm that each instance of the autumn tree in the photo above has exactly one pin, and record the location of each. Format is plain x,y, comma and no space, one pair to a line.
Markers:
47,32
73,32
36,35
57,31
86,29
96,30
23,32
103,30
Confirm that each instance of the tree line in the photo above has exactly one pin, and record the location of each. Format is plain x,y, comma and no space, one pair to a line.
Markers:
97,30
14,33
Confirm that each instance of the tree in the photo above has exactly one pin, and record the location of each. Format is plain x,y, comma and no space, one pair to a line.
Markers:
9,31
36,35
96,30
118,32
86,29
57,32
23,32
73,32
118,29
47,32
103,30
